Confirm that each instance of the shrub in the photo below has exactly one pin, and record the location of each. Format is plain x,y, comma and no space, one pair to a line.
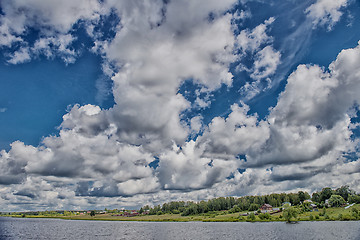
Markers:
311,217
251,217
263,216
323,212
336,200
346,217
254,207
241,218
317,217
355,210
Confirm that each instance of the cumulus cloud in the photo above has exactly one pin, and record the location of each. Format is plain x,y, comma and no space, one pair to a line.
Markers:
187,168
251,40
157,50
108,151
236,134
53,20
52,14
86,153
266,63
107,156
326,12
20,56
311,120
59,45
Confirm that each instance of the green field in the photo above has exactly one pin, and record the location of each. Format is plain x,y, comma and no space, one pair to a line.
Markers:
330,214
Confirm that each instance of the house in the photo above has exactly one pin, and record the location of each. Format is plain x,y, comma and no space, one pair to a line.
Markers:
266,208
146,212
308,201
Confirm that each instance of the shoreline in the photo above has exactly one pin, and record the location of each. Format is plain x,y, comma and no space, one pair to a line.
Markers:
179,219
351,213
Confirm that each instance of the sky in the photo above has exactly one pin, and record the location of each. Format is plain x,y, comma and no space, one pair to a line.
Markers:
111,104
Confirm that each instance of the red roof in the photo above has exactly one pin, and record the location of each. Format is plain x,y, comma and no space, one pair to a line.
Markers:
265,206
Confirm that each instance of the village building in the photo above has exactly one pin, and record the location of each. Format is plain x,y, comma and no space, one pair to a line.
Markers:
266,208
313,206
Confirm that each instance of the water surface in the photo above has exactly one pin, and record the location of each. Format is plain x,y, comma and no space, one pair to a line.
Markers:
30,228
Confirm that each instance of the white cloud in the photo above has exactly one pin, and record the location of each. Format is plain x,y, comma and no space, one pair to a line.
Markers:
236,134
266,63
55,15
53,19
106,153
156,52
250,41
326,12
20,56
59,45
257,45
196,123
311,118
187,168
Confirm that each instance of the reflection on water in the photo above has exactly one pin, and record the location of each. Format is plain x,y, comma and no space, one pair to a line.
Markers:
26,228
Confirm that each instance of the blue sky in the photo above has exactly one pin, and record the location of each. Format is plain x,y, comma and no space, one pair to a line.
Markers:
122,104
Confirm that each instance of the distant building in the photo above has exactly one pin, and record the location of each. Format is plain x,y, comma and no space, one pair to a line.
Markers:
266,208
313,206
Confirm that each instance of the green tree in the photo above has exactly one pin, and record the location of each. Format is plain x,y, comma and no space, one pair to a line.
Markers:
251,217
325,194
254,207
92,213
316,197
355,213
294,199
290,213
343,191
302,196
354,198
336,200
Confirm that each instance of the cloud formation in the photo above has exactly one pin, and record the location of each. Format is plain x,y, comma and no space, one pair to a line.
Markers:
145,149
326,12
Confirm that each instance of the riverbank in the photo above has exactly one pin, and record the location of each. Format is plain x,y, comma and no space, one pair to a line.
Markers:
329,214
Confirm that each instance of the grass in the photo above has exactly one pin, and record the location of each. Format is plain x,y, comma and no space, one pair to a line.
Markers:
332,214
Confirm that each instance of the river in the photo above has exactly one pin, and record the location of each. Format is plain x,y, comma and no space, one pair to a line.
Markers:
30,228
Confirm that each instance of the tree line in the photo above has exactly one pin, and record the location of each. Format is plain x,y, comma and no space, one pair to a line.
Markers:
253,203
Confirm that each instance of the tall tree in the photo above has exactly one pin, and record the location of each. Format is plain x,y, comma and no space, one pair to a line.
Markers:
336,200
325,194
302,196
290,213
343,191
